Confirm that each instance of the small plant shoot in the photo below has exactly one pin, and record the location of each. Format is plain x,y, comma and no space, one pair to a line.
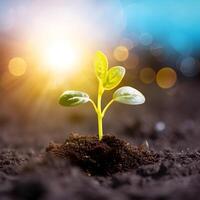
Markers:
108,79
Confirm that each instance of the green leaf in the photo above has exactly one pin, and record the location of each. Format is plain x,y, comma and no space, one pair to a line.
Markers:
114,77
128,95
73,98
100,65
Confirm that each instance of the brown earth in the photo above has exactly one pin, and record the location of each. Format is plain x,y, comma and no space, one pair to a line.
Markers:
170,170
105,157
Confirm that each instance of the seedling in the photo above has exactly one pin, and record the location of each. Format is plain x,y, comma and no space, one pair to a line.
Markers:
108,79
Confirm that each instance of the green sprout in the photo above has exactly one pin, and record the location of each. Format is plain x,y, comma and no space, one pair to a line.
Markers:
108,79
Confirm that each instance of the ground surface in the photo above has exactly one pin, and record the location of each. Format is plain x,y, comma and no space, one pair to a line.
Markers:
102,158
170,122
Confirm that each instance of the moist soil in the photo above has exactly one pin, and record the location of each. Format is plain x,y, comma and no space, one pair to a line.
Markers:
105,157
132,173
117,168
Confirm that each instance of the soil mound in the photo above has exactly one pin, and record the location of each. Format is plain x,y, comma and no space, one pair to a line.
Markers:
106,157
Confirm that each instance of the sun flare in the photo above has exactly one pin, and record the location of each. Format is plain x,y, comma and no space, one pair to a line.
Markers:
61,56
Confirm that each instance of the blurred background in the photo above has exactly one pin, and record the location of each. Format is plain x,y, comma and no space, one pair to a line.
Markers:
47,47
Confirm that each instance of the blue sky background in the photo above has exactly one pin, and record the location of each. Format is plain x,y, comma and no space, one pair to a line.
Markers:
174,22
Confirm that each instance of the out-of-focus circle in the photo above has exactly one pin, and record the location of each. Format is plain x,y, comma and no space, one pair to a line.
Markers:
17,66
166,77
189,67
156,49
160,126
146,39
147,75
121,53
127,43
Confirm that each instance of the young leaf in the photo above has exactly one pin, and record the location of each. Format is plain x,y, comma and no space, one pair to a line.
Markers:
114,77
100,65
73,98
129,95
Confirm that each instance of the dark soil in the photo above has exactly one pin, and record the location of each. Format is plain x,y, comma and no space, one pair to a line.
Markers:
174,176
85,169
107,157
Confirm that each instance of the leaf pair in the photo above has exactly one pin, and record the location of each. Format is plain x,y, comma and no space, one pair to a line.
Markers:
110,78
125,95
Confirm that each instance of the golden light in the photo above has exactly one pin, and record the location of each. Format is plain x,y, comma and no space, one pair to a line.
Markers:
60,56
17,66
147,75
121,53
166,77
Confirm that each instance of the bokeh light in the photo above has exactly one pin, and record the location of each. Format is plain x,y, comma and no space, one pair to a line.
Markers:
160,126
156,50
147,75
146,39
189,67
121,53
166,77
17,66
127,43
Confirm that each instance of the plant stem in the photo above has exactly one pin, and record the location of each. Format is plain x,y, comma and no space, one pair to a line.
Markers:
99,112
106,108
100,127
94,105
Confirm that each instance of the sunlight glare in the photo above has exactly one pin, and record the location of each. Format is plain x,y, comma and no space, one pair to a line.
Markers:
61,56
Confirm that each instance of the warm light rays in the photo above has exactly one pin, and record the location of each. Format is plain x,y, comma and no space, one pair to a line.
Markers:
61,56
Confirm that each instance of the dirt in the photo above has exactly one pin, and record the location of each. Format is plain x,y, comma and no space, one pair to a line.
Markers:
173,176
105,157
119,167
